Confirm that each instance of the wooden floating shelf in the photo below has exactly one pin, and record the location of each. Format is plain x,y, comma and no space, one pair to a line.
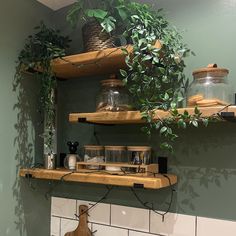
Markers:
91,63
157,182
134,117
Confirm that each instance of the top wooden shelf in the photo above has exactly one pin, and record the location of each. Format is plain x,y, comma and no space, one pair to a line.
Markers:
91,63
135,117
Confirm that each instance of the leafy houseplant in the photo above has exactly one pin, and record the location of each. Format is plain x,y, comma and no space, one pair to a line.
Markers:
46,44
109,15
155,75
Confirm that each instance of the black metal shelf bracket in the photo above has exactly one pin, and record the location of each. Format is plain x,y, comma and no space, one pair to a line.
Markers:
228,116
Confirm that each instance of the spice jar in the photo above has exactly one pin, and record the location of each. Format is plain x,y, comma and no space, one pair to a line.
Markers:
115,154
209,87
93,154
113,96
139,155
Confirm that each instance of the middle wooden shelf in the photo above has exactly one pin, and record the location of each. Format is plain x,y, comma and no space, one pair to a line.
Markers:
135,117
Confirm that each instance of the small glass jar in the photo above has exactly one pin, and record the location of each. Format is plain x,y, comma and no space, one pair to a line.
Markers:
139,155
93,154
116,154
113,96
209,88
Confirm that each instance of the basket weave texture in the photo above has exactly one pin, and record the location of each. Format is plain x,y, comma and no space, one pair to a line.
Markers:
94,38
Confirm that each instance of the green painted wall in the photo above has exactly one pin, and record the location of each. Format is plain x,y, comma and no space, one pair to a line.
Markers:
18,204
204,160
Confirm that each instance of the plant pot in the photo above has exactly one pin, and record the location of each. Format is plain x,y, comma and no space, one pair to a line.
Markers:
94,38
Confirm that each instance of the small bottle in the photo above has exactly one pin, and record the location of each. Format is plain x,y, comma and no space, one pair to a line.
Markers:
72,157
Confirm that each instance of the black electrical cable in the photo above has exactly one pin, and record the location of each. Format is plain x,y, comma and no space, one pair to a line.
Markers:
100,200
145,204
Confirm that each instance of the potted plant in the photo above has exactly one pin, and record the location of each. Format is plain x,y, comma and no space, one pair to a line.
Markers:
155,75
46,44
104,22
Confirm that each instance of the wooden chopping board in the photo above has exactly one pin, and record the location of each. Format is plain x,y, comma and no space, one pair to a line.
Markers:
82,229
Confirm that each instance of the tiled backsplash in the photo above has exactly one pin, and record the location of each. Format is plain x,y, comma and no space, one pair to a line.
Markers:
116,220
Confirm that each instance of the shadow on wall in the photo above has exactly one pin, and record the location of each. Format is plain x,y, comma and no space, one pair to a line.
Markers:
27,142
206,167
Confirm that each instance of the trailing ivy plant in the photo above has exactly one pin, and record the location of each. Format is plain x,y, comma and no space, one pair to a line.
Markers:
155,75
46,44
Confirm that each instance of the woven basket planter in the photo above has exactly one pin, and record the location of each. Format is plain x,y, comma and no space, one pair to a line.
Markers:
94,38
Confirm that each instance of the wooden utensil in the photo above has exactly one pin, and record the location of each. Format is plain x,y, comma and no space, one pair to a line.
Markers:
82,229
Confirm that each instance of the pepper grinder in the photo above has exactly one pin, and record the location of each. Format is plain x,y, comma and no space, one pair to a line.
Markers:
72,157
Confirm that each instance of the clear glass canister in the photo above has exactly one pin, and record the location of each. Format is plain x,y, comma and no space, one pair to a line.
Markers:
115,154
93,154
113,96
209,88
139,155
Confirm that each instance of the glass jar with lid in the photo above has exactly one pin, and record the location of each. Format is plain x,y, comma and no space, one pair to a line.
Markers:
209,88
113,96
139,155
93,154
115,154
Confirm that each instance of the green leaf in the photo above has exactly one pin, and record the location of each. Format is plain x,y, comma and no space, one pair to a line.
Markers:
205,122
147,57
156,60
195,123
122,12
181,123
196,111
166,146
163,129
173,105
97,13
123,73
166,97
108,24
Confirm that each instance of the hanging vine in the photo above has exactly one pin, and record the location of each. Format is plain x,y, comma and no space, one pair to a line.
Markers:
46,44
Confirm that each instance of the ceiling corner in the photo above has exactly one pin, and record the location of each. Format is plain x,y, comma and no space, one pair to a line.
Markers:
56,4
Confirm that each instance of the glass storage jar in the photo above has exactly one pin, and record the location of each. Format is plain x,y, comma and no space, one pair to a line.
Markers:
115,154
93,154
209,87
113,96
139,155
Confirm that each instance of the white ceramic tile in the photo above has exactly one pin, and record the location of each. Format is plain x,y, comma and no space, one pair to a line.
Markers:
173,225
68,226
98,214
102,230
55,226
130,217
63,207
135,233
214,227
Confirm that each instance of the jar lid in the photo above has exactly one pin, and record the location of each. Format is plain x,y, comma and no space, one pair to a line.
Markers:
112,82
139,148
115,148
93,147
210,70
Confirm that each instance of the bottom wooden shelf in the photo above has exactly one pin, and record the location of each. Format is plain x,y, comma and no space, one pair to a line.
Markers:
157,182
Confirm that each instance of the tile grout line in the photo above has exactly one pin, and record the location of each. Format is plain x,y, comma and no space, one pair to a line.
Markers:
60,228
196,226
110,215
149,215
